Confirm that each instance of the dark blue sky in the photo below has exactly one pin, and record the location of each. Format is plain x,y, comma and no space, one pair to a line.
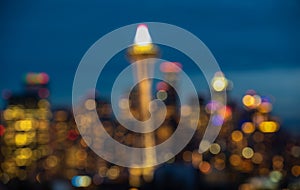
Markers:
256,43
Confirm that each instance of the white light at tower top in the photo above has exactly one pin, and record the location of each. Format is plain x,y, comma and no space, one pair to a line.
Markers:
142,36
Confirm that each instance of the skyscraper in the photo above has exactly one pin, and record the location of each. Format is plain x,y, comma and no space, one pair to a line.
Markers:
26,137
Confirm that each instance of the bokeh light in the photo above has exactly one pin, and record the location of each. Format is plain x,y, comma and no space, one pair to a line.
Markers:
237,136
247,152
248,127
268,126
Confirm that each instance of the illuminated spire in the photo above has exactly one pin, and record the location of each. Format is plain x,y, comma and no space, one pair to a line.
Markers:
142,36
142,48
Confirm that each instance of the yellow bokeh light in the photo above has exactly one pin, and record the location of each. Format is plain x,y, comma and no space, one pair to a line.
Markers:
162,95
215,148
148,174
248,101
81,154
24,153
247,152
21,139
13,112
24,125
51,161
164,132
219,84
237,136
142,48
268,126
113,172
21,162
8,114
102,171
248,127
135,171
90,104
296,170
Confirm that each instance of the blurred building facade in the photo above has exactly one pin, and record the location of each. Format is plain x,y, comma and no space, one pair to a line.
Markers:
40,144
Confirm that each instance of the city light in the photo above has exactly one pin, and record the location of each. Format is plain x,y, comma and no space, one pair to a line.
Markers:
247,152
268,126
244,141
248,127
41,143
36,78
215,148
81,181
219,82
237,136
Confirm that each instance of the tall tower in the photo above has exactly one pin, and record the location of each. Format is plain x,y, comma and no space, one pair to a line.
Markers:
142,53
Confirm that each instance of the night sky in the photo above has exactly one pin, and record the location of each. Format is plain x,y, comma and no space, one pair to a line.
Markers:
256,43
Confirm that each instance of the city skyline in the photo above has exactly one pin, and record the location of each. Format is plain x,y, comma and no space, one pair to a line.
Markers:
149,95
255,46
